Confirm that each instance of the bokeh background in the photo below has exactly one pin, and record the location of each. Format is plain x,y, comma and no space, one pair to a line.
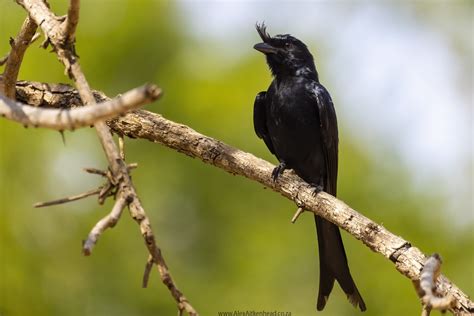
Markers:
401,77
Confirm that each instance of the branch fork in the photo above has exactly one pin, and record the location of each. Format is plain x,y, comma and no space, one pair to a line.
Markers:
60,34
408,260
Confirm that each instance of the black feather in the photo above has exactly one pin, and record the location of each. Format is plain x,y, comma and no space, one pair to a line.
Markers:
262,31
297,121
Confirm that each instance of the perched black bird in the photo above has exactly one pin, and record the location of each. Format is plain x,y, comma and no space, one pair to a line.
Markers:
297,121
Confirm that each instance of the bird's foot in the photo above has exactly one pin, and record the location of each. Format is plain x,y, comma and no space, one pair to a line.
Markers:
278,170
316,188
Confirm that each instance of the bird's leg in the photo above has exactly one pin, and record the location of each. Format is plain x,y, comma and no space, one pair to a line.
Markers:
278,170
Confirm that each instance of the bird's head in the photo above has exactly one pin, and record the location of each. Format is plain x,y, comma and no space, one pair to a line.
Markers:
286,55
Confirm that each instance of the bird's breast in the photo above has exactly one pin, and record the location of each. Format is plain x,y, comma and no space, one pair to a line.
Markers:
293,125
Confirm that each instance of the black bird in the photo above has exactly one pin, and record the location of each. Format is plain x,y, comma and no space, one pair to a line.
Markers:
297,121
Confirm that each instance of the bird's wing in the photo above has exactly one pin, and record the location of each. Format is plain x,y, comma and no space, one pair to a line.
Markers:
329,134
260,120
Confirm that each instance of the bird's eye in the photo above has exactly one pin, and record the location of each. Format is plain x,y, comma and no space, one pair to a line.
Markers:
287,45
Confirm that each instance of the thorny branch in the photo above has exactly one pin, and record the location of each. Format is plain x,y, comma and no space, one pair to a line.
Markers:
69,119
408,259
72,20
146,274
108,221
69,199
15,57
142,124
60,33
4,59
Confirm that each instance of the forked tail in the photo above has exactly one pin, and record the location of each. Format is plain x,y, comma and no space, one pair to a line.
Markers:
333,265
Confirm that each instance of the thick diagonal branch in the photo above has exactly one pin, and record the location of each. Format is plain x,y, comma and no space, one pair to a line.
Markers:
408,260
69,119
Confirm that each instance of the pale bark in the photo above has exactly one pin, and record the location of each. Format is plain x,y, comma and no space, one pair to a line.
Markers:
408,259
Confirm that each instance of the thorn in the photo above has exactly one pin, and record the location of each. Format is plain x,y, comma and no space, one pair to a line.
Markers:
297,214
121,147
63,137
96,171
132,165
45,43
69,198
35,37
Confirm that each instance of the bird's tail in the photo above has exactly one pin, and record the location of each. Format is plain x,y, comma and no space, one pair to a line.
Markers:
333,265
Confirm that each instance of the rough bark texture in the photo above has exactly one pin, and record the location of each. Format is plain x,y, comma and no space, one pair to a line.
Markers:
408,259
13,62
60,34
69,119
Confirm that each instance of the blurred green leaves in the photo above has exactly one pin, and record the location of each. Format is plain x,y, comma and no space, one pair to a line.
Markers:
228,241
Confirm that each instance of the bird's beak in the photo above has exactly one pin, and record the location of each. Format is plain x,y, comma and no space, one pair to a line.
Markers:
265,48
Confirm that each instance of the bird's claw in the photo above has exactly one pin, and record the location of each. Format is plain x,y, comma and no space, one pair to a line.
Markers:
277,171
275,174
316,189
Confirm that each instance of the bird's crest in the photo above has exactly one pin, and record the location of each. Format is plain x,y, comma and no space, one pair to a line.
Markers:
262,31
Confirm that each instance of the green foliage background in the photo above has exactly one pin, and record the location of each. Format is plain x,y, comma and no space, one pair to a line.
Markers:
227,240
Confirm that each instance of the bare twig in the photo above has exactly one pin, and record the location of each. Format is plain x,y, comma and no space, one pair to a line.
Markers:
4,59
51,26
96,171
71,21
408,260
69,199
108,221
183,303
146,274
106,191
64,119
110,185
13,63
